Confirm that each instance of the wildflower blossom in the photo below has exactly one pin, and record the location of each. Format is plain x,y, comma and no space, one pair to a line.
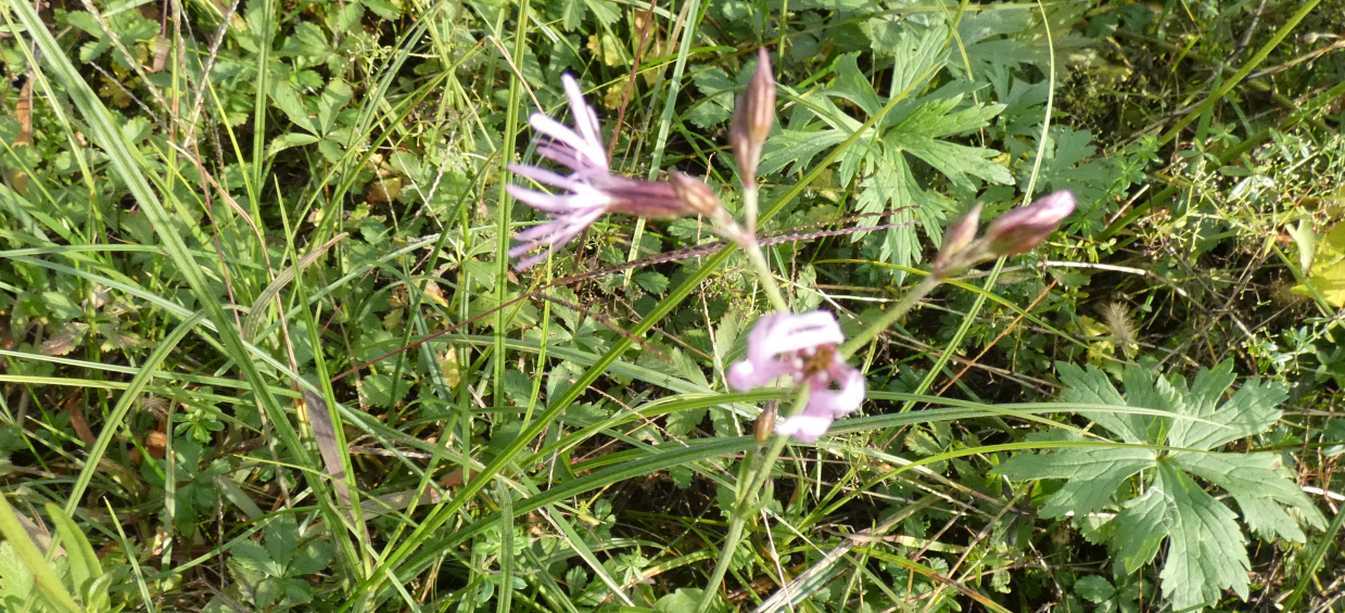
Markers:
802,347
588,192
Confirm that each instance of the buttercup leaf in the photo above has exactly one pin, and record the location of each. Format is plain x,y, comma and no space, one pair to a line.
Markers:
1157,492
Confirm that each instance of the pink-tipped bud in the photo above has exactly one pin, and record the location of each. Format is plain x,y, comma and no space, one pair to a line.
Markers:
695,194
961,232
1021,229
957,240
752,119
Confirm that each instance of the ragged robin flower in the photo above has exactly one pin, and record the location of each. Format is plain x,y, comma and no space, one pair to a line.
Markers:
588,192
803,348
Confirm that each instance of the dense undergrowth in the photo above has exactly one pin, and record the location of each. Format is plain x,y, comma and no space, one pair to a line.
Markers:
263,349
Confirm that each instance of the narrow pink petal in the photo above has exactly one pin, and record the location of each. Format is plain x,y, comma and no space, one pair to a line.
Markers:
582,200
746,375
791,333
805,428
521,249
538,200
535,233
585,119
543,176
822,400
561,230
591,154
529,262
565,156
558,132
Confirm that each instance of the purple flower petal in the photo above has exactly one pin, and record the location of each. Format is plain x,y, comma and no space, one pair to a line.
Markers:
589,153
543,176
838,402
585,119
805,428
787,344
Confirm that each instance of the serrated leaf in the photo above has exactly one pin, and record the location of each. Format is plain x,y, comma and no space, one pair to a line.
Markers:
1094,589
334,98
65,341
1093,474
571,14
680,423
1260,484
43,573
919,53
385,9
1140,524
1206,549
797,147
851,84
652,282
85,569
288,100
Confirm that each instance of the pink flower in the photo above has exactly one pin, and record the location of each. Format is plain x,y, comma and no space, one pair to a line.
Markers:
589,190
802,347
1021,229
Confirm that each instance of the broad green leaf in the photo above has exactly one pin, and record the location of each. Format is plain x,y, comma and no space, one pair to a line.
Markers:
851,84
16,582
1250,411
1260,484
919,55
797,148
334,98
1306,241
1093,474
1094,589
291,103
1206,550
1091,386
1140,524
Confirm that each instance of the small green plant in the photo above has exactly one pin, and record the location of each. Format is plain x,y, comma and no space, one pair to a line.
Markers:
272,575
1149,483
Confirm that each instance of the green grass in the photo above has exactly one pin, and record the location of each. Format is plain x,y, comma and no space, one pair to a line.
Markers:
263,349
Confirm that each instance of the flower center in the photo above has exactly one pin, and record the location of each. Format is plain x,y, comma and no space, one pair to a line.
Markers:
820,360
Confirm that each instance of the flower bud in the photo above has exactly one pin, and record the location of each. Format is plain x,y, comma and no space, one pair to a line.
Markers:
695,194
752,119
1022,229
959,237
961,232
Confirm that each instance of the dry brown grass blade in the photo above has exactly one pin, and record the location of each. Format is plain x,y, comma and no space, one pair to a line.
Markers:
23,114
324,434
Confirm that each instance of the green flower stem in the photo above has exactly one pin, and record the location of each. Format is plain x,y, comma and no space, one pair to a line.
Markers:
891,315
747,240
750,194
763,271
746,501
